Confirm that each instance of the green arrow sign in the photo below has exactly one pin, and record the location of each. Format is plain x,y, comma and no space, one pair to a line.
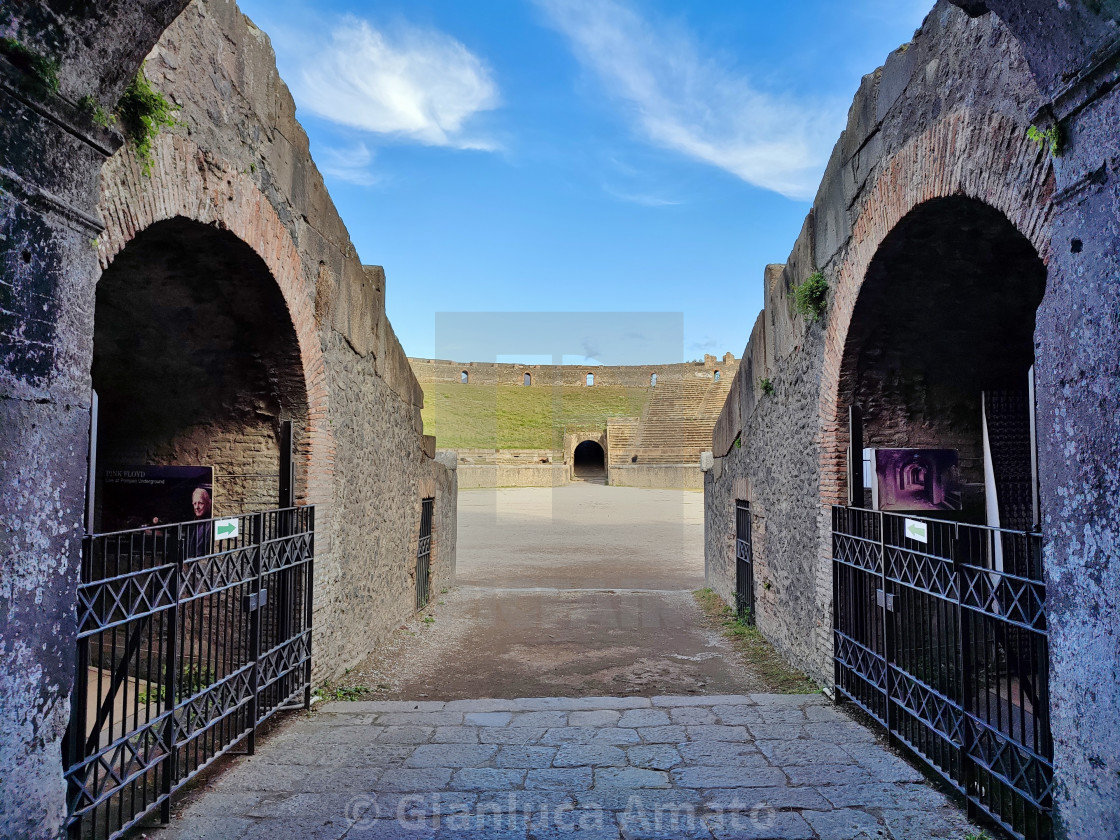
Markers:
917,531
226,529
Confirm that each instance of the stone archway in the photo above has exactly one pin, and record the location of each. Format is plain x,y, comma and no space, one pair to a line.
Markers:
946,314
589,461
985,157
185,184
1014,177
196,363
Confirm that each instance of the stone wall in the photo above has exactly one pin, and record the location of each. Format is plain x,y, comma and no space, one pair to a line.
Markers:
51,152
239,168
629,376
361,458
947,115
478,476
1073,52
946,119
659,449
657,476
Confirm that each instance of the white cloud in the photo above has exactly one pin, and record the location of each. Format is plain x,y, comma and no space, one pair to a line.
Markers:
351,164
698,106
415,84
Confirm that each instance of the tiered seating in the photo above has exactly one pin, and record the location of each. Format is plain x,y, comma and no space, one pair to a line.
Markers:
677,423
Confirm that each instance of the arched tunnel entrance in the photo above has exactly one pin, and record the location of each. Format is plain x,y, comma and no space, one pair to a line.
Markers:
937,563
589,462
196,364
940,349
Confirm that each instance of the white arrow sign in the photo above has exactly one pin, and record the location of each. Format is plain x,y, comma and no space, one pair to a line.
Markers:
226,529
917,531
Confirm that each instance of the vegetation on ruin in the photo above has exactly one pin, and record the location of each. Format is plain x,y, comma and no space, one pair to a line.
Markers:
811,297
41,70
766,385
1047,138
143,112
96,111
758,653
515,417
346,693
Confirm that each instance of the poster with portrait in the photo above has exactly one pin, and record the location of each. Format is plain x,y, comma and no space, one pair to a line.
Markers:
140,496
915,479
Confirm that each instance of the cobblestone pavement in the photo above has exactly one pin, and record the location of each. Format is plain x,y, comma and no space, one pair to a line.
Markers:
738,766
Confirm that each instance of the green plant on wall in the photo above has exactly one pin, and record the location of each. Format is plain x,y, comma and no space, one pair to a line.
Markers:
1047,138
96,113
42,71
766,386
811,297
143,112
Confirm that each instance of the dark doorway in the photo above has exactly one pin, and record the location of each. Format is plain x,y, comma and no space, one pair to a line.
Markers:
589,461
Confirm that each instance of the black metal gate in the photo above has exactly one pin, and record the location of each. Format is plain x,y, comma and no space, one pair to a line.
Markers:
189,637
940,635
744,563
424,555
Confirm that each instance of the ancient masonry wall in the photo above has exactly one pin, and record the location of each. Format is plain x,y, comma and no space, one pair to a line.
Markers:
242,163
361,453
629,376
946,115
660,449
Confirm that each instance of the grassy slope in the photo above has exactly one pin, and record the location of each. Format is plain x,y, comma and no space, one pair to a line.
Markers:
513,417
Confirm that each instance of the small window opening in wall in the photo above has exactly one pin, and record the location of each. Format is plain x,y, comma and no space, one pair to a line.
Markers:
652,379
715,376
528,380
590,379
464,377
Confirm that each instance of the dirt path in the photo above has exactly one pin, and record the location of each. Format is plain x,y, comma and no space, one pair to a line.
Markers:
572,591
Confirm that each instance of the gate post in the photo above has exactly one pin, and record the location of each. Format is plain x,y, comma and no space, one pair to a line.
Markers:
76,733
171,676
253,604
965,647
836,695
888,634
309,603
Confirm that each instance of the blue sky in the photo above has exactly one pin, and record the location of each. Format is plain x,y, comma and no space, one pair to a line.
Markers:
577,155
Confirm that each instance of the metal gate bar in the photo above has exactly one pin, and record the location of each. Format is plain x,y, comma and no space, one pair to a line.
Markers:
424,555
744,563
181,654
940,635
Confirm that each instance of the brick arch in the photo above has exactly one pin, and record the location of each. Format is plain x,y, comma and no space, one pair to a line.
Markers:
185,182
985,157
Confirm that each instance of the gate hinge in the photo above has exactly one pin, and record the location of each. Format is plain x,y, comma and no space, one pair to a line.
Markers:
883,599
254,601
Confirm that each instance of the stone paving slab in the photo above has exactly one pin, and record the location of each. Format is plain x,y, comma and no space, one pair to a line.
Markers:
742,766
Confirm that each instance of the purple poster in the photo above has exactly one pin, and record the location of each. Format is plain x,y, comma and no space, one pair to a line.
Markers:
135,497
916,479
